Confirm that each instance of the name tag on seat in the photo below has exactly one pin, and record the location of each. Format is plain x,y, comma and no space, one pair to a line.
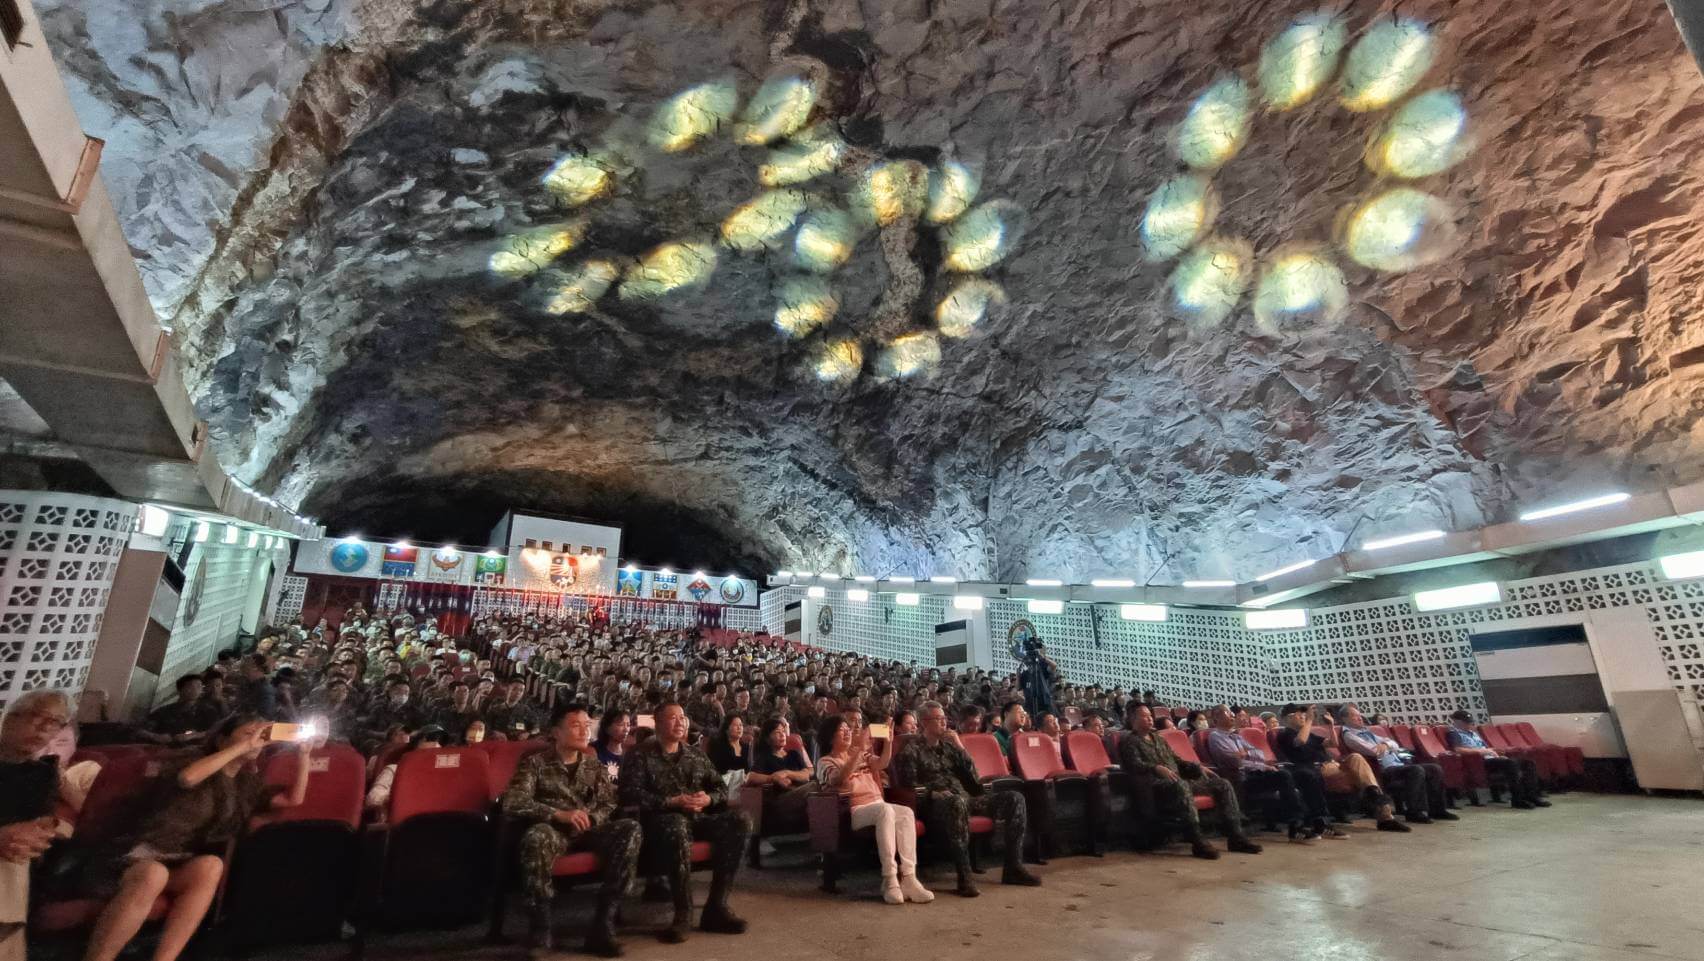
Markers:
447,760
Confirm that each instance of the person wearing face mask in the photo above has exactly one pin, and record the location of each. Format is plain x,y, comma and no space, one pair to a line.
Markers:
396,710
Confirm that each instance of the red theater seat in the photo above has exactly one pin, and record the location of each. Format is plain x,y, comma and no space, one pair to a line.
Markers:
1462,772
1180,744
436,854
1069,805
1404,736
504,758
1552,765
833,839
1573,757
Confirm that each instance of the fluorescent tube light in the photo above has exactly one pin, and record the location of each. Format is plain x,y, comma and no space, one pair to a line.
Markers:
816,590
906,600
1402,539
155,520
1679,567
1112,582
1045,582
967,602
858,594
1288,569
1197,584
900,579
1585,505
943,579
1047,607
1467,595
231,533
864,579
777,573
1286,618
1142,612
254,539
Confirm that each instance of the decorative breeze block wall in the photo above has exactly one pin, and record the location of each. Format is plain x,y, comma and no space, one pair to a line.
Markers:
58,556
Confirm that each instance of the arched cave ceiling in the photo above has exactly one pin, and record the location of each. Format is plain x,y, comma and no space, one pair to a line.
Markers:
315,190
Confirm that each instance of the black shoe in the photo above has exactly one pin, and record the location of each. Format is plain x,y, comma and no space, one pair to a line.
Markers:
1242,845
1204,851
1392,824
1419,819
1522,805
1539,802
542,939
1016,874
1446,816
966,887
719,920
601,941
677,930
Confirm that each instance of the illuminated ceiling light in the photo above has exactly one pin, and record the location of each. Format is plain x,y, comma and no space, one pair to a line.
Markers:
906,600
777,573
669,267
803,303
231,534
1045,582
1585,505
1680,567
448,551
909,354
1112,582
1215,127
1209,281
497,553
578,289
254,539
530,251
779,108
1046,607
579,179
692,115
952,188
1209,583
891,191
1295,64
899,579
983,237
816,590
1286,569
1142,612
1178,213
829,575
153,521
697,573
811,154
665,571
347,538
1398,541
1299,286
838,361
403,546
825,240
1400,229
1386,63
967,602
857,595
1467,595
864,579
1423,137
759,223
960,311
1287,618
943,579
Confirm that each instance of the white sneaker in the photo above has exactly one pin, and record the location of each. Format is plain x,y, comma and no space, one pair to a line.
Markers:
914,890
891,892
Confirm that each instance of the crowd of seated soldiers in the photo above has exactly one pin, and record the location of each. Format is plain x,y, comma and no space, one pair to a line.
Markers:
656,712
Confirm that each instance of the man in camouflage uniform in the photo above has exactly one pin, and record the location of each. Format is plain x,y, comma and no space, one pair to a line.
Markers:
394,710
1164,780
567,792
514,716
680,797
949,792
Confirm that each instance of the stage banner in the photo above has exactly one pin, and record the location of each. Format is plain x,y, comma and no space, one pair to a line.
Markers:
490,570
629,583
351,558
446,565
399,561
663,586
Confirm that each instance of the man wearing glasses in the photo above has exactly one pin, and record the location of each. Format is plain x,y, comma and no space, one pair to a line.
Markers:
29,785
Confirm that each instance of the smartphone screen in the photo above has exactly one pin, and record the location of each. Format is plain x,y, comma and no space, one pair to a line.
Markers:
879,732
285,732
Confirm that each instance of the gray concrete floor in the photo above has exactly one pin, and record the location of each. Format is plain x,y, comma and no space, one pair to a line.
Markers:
1595,878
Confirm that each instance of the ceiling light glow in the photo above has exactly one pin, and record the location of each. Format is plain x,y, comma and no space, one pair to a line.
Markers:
967,602
1112,582
1178,213
906,600
1142,612
1297,63
857,595
1287,569
1400,540
1215,127
1046,607
1286,618
1209,583
1585,505
1680,567
1386,63
1044,582
1467,595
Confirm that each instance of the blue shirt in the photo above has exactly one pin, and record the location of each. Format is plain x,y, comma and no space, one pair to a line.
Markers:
1456,737
1229,752
1364,742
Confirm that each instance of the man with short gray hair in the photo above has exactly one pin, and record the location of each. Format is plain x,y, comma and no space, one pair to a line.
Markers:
29,786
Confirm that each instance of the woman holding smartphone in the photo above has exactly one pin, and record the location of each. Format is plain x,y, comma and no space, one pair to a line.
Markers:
849,769
208,804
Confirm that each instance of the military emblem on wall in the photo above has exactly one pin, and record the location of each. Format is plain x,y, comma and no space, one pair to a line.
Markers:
825,620
1019,637
349,557
732,590
192,603
699,589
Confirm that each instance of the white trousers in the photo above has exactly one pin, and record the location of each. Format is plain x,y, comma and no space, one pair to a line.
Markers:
896,835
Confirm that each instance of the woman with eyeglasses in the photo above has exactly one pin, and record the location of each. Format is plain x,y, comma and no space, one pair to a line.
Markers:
29,786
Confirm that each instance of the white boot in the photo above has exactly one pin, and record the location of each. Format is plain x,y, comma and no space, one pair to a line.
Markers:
914,890
891,892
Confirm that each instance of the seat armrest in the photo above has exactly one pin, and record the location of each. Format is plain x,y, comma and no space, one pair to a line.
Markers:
825,814
750,800
902,795
1004,783
370,869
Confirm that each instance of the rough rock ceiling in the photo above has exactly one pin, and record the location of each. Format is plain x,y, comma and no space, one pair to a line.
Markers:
382,231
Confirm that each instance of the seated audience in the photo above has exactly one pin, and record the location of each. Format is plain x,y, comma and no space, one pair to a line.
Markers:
680,796
1419,786
904,723
1300,790
29,790
1013,720
1270,722
727,749
1521,773
787,773
848,769
949,791
185,720
569,797
378,796
210,803
1173,784
1302,746
612,739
